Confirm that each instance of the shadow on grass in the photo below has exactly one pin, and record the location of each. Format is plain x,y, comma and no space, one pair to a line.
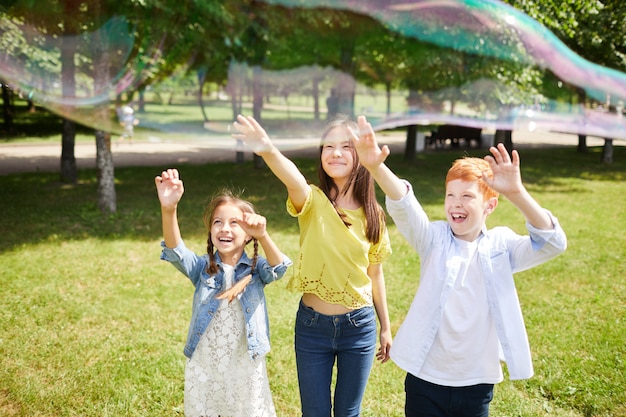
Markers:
37,124
37,207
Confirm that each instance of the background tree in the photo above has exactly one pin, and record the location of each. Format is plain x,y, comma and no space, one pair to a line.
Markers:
593,29
55,24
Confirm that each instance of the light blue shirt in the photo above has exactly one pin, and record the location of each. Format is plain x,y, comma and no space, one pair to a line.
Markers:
501,253
209,286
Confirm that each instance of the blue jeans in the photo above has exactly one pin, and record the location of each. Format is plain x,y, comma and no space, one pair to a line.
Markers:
319,340
424,399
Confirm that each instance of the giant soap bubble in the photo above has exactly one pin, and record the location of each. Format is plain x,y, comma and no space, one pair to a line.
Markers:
188,69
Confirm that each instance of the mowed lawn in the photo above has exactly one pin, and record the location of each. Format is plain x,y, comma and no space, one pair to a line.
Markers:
92,323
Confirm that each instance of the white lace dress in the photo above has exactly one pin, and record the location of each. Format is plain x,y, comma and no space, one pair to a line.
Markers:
221,380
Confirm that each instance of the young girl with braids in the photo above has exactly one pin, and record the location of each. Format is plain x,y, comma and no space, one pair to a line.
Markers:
227,341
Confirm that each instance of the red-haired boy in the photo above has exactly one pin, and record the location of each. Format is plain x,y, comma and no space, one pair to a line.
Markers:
466,315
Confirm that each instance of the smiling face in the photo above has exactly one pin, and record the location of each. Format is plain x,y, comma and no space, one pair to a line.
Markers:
338,155
228,238
466,208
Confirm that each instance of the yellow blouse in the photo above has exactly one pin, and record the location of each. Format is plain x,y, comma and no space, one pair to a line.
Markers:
333,258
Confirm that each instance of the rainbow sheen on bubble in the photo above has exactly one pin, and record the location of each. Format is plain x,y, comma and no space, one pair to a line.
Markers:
474,63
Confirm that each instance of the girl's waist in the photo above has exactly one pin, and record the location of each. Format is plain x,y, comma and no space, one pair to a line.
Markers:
324,307
315,303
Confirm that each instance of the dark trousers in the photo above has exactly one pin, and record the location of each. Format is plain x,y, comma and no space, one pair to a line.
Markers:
424,399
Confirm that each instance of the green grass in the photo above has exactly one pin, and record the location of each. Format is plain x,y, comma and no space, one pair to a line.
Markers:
92,323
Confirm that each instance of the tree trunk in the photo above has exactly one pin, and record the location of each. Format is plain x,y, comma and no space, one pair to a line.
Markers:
582,144
107,199
388,93
411,143
7,108
257,104
316,98
582,139
142,101
69,172
201,82
505,137
346,85
607,151
235,79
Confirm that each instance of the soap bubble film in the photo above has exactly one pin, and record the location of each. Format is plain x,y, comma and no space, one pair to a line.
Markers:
291,64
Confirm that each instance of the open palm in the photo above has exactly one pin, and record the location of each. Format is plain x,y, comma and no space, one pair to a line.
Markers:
169,188
506,170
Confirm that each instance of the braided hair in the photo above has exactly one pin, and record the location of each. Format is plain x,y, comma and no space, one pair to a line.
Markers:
226,197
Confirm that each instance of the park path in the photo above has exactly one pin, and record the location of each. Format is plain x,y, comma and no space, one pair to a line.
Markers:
45,157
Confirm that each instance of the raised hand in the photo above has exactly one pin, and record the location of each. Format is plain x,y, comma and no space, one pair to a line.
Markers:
253,224
169,188
251,132
370,154
507,177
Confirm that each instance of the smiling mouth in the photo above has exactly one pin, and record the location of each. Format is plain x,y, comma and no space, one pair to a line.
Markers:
458,217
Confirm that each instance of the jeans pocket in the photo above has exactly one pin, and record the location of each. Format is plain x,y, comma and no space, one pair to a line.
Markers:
364,318
305,317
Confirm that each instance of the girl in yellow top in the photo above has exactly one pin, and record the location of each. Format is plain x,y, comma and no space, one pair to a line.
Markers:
343,242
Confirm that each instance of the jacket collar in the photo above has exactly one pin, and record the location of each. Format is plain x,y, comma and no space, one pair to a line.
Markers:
244,260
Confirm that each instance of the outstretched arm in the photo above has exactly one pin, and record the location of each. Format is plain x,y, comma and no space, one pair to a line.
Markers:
170,190
507,180
373,158
251,132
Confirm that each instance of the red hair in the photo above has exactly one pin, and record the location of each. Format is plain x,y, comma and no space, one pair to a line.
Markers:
472,169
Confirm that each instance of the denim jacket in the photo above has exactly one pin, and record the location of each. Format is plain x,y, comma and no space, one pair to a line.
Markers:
501,252
209,286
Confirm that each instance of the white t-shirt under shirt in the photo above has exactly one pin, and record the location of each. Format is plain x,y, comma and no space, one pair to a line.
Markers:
466,348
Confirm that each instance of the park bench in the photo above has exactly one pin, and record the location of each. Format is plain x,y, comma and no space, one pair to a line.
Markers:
455,136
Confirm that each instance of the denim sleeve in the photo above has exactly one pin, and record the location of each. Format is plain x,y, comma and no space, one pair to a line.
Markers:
268,273
183,259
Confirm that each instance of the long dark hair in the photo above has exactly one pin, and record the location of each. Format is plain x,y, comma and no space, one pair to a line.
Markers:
363,189
225,197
